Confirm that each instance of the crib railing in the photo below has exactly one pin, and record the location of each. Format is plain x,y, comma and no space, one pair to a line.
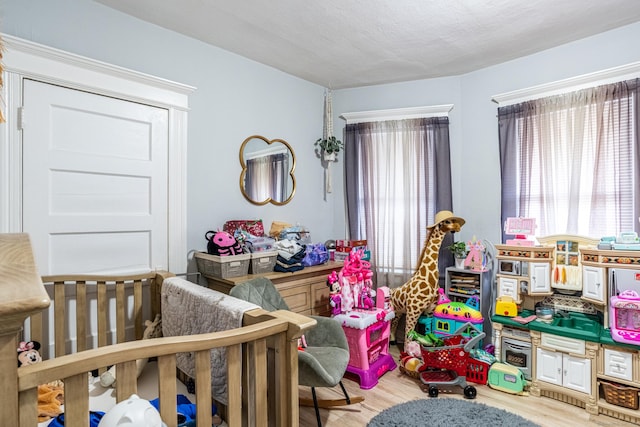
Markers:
89,311
262,358
252,400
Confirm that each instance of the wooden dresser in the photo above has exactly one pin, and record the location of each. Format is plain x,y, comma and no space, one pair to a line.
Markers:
305,291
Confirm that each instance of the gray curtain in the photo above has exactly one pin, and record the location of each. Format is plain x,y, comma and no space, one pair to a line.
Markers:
549,147
413,154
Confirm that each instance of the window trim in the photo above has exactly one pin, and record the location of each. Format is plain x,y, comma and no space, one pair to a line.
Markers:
397,114
610,75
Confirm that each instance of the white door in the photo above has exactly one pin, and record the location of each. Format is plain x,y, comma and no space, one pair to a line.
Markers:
593,283
549,366
576,373
94,181
508,286
540,278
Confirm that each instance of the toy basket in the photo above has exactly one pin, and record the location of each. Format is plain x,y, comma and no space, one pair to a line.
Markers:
450,356
620,395
477,371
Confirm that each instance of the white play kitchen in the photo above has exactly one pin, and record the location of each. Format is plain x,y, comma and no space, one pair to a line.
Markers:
567,314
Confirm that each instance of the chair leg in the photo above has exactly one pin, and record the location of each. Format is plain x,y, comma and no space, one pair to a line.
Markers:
315,405
346,395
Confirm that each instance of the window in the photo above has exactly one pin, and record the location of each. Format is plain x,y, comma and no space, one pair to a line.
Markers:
397,175
570,161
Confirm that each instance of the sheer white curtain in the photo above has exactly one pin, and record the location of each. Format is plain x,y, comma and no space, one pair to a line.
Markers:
268,177
258,179
395,173
570,161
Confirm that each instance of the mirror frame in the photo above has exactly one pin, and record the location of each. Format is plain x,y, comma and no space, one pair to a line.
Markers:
244,171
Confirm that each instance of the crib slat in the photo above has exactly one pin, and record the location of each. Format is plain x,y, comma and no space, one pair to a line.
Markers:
28,411
137,309
126,380
234,388
59,318
36,332
101,314
203,388
279,381
81,316
76,408
260,382
167,389
120,313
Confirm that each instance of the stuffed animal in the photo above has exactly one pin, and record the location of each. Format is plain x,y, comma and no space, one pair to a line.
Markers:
335,300
28,353
51,395
152,330
222,243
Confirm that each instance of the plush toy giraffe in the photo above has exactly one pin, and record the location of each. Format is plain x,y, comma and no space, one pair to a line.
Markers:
420,293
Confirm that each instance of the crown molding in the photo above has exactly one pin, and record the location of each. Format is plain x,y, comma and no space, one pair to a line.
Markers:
397,114
611,75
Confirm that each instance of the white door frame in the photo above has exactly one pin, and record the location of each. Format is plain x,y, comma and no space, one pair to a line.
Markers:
24,59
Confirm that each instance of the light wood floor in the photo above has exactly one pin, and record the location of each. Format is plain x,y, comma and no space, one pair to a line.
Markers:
395,388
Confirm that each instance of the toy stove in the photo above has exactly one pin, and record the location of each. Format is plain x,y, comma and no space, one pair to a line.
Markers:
624,311
521,229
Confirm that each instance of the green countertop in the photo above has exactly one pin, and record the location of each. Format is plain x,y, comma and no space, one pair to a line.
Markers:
572,325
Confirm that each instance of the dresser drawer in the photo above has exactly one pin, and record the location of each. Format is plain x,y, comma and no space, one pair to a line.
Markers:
564,344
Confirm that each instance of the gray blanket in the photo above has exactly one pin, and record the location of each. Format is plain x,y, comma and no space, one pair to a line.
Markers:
190,309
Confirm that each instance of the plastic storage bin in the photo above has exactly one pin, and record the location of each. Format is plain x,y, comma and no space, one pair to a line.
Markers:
223,266
263,262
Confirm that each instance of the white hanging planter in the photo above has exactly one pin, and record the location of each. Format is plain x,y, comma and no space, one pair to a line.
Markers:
329,157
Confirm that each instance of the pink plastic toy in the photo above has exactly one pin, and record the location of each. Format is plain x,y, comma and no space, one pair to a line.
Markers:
624,312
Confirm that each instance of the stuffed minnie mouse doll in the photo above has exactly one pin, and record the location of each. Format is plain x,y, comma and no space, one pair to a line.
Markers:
28,353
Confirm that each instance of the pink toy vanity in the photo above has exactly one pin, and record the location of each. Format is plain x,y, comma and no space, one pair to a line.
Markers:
367,332
624,312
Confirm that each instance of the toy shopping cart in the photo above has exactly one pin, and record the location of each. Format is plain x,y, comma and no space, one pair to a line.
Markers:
445,367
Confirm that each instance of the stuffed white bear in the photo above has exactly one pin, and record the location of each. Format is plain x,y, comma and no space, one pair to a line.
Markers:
152,330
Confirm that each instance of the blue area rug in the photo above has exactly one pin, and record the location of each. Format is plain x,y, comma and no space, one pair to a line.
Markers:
447,413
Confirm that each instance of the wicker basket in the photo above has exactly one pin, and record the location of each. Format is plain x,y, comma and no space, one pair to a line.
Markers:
620,395
412,374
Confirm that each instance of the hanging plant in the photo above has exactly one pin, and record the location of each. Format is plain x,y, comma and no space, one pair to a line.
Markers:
330,144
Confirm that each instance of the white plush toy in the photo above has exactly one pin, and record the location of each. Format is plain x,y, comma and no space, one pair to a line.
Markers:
133,412
152,330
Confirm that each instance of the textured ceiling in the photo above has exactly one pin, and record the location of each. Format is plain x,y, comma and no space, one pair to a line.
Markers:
352,43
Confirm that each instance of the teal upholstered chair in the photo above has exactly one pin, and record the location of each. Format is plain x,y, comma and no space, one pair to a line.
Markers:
324,362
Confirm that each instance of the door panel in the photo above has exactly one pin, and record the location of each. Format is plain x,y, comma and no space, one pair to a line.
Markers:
94,181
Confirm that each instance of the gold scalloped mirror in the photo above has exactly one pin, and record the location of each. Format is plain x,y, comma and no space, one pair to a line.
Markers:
267,171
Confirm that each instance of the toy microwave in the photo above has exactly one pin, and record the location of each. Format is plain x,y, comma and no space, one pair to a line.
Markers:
513,267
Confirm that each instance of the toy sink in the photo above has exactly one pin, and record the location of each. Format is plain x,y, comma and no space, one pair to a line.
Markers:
573,325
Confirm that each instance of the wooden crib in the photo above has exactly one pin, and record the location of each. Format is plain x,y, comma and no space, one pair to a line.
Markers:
266,394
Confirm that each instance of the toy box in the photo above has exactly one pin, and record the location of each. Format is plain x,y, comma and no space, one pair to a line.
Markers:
223,266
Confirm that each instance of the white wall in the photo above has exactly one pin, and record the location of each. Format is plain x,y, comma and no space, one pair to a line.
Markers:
473,121
236,97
